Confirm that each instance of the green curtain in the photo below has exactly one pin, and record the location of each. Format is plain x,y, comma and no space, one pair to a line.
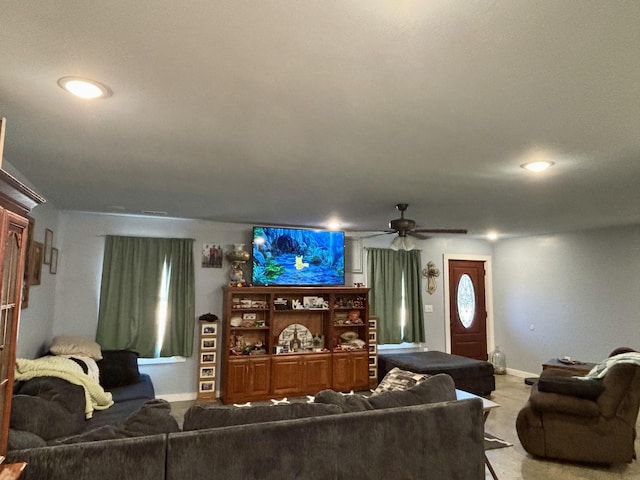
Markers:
130,295
385,272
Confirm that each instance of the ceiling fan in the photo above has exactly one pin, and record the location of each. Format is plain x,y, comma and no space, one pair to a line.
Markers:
406,227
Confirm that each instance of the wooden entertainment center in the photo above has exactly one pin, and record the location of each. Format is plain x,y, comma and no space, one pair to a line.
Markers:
293,341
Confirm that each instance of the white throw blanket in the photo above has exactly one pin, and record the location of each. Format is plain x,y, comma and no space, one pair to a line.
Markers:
601,369
61,367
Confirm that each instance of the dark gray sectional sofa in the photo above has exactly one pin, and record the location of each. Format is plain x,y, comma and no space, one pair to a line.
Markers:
332,439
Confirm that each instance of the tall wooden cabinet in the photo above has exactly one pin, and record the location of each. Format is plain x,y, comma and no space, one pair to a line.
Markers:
288,341
16,200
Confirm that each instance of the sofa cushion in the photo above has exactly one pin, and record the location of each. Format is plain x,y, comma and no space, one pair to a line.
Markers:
152,418
200,417
118,368
49,407
398,379
436,388
46,418
347,403
143,388
75,346
21,439
576,387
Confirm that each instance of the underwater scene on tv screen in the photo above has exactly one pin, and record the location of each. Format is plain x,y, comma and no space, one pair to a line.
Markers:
290,256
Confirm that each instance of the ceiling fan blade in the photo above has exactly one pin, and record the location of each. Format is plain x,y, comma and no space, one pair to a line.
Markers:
441,230
418,235
385,232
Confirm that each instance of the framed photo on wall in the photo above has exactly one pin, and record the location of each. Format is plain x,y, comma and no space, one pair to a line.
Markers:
207,372
353,254
53,266
35,263
48,245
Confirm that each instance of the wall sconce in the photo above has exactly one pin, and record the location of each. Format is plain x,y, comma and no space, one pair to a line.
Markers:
430,272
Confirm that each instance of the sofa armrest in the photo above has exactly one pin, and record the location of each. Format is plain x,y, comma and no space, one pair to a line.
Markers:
589,389
557,402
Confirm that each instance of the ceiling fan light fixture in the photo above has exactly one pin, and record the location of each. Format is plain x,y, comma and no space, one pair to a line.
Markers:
402,243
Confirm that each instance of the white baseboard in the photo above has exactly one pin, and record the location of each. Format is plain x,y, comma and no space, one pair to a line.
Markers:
521,374
178,397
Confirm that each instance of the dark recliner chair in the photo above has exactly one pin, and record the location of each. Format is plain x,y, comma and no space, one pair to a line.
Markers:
591,421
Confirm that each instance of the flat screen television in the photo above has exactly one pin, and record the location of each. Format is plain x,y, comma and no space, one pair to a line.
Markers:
297,257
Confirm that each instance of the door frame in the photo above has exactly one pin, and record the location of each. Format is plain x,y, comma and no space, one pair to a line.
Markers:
488,293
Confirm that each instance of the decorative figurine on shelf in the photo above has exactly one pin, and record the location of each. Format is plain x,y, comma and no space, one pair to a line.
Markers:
238,257
354,317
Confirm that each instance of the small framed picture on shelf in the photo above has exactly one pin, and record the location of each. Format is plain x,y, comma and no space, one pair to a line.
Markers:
372,336
208,343
373,348
207,372
209,357
209,329
208,386
373,361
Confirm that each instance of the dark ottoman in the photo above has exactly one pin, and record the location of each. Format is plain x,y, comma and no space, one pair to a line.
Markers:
470,375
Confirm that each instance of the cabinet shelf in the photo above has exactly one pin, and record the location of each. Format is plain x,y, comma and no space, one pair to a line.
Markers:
249,328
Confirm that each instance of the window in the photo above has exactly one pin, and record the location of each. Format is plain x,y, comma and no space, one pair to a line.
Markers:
395,297
466,300
147,296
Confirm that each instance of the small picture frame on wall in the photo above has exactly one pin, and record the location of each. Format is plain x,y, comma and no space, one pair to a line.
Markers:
208,343
372,337
373,361
207,372
373,348
373,373
48,245
208,357
209,329
53,266
372,324
35,263
208,386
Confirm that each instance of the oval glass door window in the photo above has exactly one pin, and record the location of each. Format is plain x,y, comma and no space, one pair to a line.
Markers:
466,300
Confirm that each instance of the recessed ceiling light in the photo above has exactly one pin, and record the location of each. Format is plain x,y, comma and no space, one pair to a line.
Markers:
492,236
84,88
538,166
333,225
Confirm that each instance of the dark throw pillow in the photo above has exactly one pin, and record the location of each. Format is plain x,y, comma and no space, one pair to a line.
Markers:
118,368
589,389
398,379
347,403
437,388
199,417
154,417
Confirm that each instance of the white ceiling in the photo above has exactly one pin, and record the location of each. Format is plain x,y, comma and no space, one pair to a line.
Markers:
291,112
